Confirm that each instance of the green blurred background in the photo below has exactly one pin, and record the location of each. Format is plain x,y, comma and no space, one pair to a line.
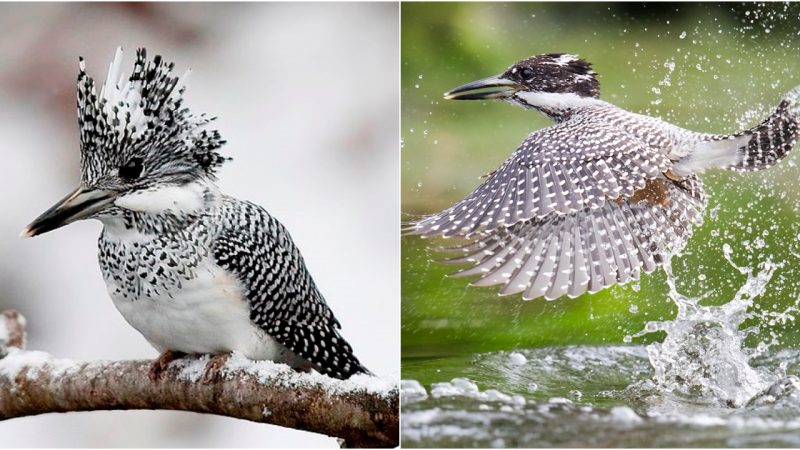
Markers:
706,67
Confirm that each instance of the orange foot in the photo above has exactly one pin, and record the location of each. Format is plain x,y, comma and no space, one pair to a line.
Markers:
213,370
160,364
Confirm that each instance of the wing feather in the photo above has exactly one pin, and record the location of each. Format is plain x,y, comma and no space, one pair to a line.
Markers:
553,172
580,261
592,249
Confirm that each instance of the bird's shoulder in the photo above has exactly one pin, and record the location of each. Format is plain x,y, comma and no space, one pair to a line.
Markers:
247,221
591,134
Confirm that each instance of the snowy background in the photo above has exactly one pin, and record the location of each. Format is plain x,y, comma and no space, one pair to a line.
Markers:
307,97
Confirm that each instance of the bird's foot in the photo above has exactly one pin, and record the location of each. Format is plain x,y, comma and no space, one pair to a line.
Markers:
160,364
213,370
672,176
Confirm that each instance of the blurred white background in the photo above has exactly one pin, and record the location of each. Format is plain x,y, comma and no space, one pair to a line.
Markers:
307,98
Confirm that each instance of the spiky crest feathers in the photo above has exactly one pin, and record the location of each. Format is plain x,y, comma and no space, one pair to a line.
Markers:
142,116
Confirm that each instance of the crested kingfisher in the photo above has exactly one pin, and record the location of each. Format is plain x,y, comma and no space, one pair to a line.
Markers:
193,270
597,198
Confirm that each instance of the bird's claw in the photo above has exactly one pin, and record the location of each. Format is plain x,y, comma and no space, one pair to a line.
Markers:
160,364
213,370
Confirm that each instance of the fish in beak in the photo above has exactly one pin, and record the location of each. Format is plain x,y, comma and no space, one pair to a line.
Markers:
80,204
467,91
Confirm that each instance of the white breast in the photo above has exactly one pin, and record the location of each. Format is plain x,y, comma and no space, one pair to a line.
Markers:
207,314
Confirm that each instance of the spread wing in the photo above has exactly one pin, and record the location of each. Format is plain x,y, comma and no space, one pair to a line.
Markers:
569,254
559,170
284,301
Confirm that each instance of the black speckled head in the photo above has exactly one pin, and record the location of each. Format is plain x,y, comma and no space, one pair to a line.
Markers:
136,131
524,82
145,157
555,73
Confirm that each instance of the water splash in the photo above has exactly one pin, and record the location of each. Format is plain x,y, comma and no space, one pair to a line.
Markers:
703,358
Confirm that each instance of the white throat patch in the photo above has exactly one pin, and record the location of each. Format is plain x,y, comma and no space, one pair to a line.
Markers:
156,200
557,101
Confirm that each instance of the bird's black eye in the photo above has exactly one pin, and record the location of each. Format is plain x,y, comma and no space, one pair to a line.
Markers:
526,73
131,170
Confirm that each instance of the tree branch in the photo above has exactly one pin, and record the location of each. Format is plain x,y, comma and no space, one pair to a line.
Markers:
362,411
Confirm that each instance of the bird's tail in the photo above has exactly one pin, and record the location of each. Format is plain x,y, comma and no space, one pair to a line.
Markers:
333,355
345,364
758,148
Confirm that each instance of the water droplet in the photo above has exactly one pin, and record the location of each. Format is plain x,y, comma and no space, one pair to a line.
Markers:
633,309
517,359
683,35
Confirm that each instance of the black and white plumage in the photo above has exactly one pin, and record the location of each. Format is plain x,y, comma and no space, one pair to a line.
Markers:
599,197
193,270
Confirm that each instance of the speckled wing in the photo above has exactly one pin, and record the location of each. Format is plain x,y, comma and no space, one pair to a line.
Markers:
588,250
284,300
560,170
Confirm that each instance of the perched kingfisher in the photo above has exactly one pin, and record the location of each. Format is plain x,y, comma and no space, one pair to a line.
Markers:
195,271
597,198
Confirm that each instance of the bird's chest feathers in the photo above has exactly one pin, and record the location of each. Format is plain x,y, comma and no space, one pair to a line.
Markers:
172,291
206,314
137,266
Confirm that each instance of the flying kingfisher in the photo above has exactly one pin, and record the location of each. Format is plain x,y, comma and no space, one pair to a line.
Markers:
597,198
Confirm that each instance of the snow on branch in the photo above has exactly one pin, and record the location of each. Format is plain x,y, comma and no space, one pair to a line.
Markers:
361,412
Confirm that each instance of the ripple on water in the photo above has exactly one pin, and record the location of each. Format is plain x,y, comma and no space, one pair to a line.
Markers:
617,406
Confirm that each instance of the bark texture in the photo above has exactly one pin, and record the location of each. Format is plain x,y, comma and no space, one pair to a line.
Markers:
361,413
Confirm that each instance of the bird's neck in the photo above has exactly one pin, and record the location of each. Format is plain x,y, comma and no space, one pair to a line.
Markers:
558,106
166,210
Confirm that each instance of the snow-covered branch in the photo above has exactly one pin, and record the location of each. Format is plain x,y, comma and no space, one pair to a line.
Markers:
362,411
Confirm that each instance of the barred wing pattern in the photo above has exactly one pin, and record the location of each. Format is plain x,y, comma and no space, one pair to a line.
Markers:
284,300
587,250
570,167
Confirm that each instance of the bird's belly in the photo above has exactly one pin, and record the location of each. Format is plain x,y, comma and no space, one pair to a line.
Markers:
207,314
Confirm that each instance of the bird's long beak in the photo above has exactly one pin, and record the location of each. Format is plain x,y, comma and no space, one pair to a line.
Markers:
466,91
80,204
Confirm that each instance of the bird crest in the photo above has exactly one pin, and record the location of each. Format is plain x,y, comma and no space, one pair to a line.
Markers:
142,117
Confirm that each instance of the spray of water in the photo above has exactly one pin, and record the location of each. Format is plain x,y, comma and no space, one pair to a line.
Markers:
703,358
